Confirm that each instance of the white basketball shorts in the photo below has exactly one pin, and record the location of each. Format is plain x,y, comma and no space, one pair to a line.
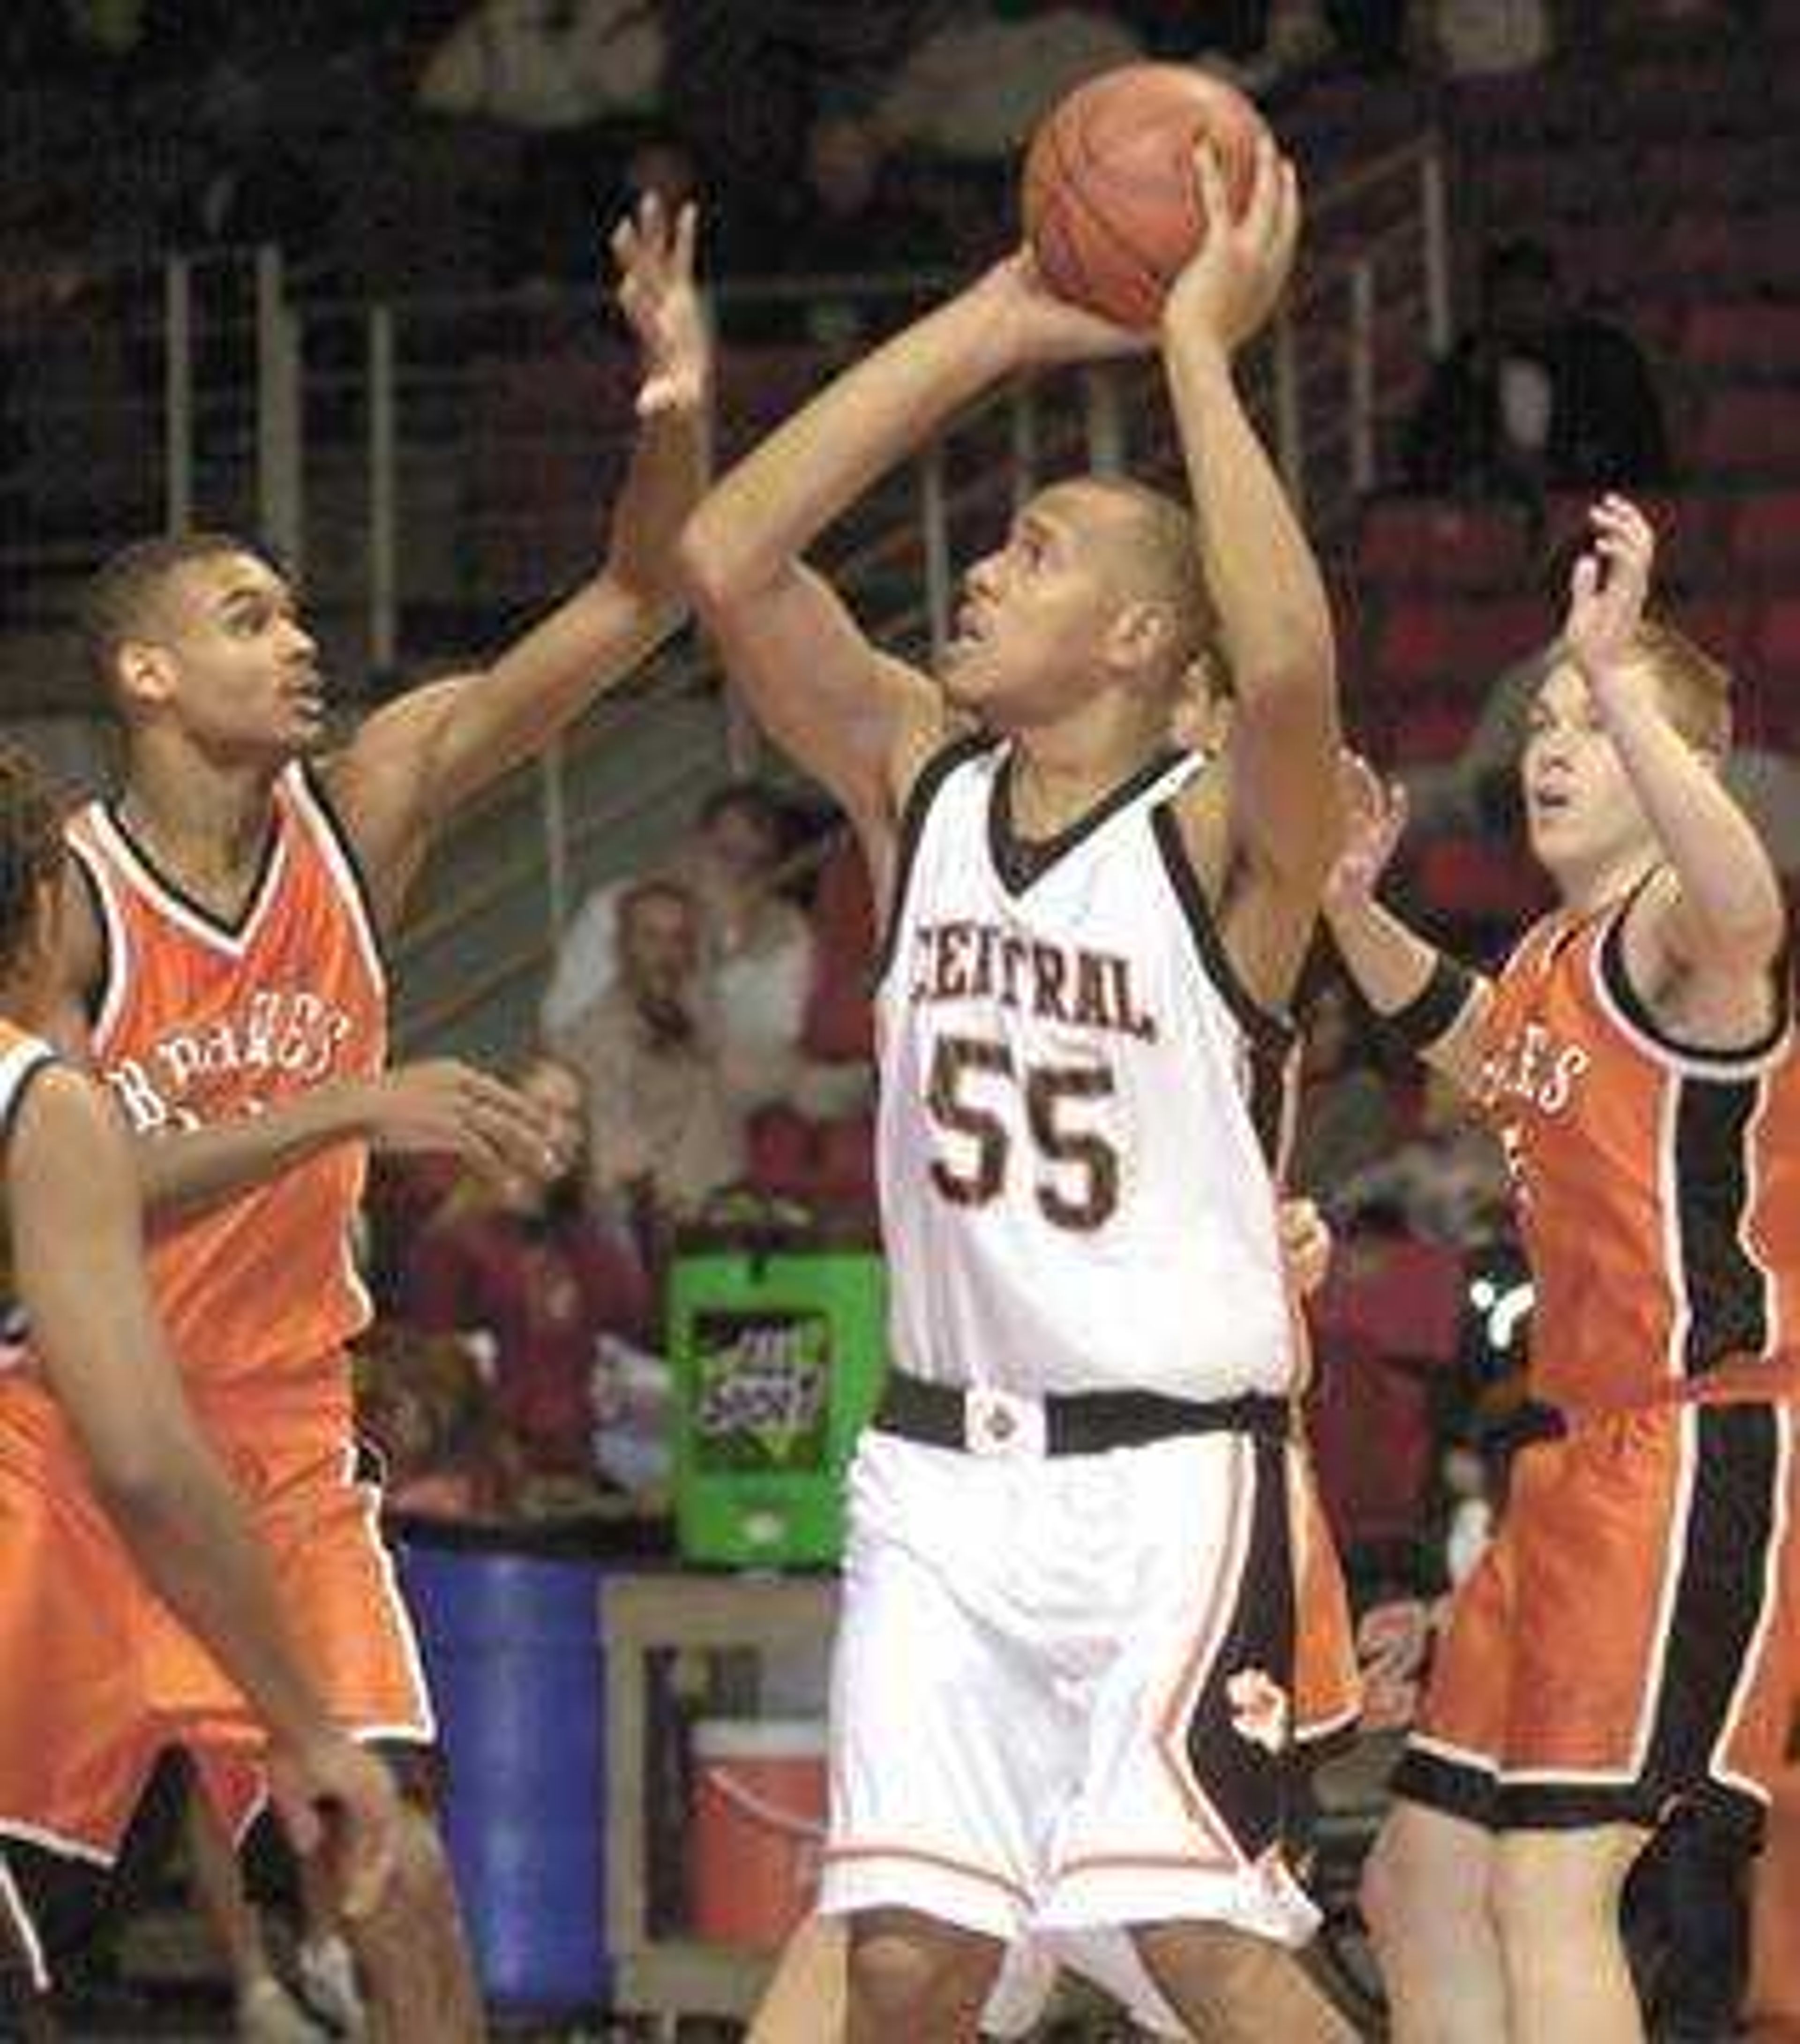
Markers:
1060,1700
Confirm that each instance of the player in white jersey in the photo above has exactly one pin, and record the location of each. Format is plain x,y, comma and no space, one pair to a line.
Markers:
1061,1702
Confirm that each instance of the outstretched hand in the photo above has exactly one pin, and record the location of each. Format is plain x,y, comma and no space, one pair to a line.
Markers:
1233,280
1046,331
1375,815
1609,587
657,295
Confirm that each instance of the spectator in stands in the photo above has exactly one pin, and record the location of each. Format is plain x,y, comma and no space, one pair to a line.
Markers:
541,1275
664,1131
1536,396
755,948
974,85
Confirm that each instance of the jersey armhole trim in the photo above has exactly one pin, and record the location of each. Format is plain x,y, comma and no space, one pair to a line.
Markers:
930,778
1269,1031
342,846
97,997
42,1060
1708,1060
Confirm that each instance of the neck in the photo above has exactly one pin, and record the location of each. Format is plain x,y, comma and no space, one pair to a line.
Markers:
200,819
1585,889
1058,773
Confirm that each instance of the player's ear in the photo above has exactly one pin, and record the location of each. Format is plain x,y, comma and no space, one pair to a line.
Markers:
144,675
1142,637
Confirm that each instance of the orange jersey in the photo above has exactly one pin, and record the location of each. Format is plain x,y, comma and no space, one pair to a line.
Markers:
198,1021
1658,1187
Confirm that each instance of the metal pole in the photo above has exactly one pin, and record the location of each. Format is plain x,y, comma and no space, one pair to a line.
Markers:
1106,421
178,394
555,837
1290,439
277,410
1361,375
1022,421
1434,209
934,523
384,560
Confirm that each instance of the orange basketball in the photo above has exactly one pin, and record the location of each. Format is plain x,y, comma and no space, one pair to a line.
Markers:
1112,206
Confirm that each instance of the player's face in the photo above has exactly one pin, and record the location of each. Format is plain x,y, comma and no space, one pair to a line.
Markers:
1581,810
237,667
1031,631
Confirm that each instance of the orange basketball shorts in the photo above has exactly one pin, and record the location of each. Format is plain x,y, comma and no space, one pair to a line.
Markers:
1628,1641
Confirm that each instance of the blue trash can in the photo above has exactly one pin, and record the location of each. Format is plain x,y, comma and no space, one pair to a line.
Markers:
512,1647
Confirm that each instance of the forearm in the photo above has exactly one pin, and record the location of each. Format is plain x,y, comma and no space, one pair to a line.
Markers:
178,1170
766,513
188,1533
1274,617
667,479
1392,964
1730,893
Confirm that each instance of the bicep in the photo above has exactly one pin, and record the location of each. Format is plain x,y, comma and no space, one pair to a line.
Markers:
843,710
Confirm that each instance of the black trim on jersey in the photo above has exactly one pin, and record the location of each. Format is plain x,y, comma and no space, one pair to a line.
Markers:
1727,1291
1632,1005
226,926
27,1079
1267,1031
1733,1521
346,845
1021,862
1452,1786
93,997
930,778
1246,1784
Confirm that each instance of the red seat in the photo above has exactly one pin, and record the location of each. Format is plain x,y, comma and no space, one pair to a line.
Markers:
1428,543
839,1023
1744,336
1481,880
1425,730
1457,647
1767,537
1776,647
1749,432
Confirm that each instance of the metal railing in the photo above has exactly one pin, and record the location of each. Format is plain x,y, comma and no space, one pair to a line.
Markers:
426,464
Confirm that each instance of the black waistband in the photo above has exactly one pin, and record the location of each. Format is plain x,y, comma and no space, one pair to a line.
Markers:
1078,1422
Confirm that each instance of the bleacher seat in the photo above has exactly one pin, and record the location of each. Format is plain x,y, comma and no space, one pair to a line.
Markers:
1457,647
1479,880
1749,433
1743,337
1766,534
1431,542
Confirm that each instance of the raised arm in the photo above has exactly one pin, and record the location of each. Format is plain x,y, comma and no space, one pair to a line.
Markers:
1435,1003
414,762
1716,910
854,718
79,1267
1275,622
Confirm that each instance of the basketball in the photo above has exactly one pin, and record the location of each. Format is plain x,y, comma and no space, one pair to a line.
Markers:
1112,206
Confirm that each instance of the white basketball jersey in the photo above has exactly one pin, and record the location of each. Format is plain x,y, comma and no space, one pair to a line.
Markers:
1081,1109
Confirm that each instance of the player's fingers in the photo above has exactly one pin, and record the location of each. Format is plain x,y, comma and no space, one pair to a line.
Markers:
1265,193
1285,227
1585,578
652,224
687,229
1214,205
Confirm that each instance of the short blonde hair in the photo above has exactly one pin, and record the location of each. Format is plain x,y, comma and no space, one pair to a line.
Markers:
1696,688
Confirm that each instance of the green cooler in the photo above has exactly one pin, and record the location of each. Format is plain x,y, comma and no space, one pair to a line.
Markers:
778,1345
